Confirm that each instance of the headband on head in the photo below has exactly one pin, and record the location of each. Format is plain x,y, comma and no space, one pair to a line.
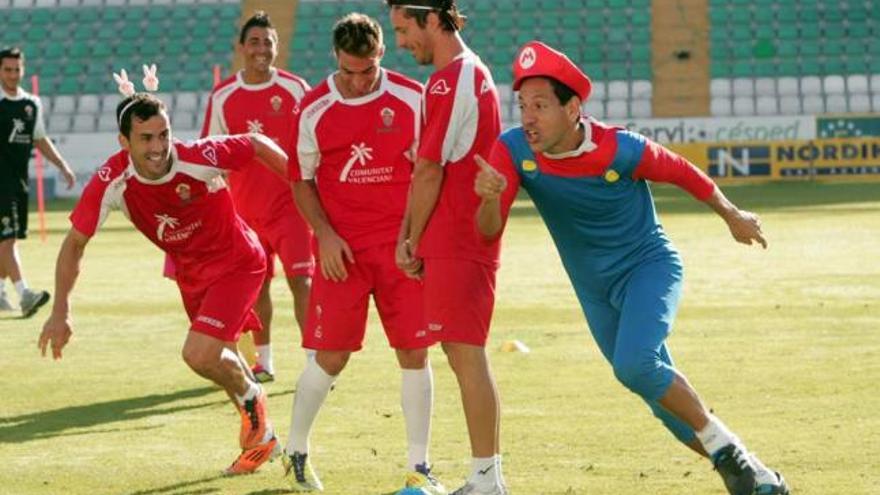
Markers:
126,87
422,4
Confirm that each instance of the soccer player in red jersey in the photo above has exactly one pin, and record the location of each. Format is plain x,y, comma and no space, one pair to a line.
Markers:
439,242
351,163
175,194
263,99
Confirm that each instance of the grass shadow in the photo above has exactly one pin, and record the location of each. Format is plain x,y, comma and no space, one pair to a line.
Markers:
59,422
188,486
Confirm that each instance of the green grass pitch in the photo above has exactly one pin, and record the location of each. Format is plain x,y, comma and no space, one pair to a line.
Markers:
784,344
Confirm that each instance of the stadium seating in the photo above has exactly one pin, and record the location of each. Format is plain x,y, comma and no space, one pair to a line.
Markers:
75,45
767,57
793,57
611,39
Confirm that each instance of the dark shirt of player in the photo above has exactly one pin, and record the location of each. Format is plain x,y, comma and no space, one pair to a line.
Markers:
19,119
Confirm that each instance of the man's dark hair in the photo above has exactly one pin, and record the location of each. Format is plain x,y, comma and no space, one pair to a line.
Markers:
13,52
260,19
563,93
141,105
450,17
357,34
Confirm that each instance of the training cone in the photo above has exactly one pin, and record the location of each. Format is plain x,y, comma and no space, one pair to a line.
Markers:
515,346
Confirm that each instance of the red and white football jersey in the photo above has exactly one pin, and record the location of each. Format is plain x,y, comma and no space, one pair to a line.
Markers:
360,151
269,108
187,213
461,119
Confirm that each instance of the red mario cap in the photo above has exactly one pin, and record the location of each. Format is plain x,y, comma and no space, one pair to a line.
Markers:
537,59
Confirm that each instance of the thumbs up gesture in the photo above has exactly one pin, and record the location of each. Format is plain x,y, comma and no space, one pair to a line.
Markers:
489,183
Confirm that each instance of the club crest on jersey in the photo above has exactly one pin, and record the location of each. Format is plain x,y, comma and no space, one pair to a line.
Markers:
29,111
210,154
527,58
485,87
387,115
183,192
104,174
275,101
440,88
612,176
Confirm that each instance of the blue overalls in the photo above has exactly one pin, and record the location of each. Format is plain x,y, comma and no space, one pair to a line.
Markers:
625,272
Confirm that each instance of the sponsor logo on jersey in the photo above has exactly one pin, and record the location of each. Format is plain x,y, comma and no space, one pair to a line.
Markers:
169,230
275,101
210,154
255,126
440,88
104,174
17,135
435,327
360,153
527,58
165,221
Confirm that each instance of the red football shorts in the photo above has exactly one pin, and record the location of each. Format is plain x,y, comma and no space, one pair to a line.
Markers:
289,237
459,299
224,308
337,318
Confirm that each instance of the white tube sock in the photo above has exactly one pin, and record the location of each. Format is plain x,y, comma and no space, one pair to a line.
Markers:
417,402
311,390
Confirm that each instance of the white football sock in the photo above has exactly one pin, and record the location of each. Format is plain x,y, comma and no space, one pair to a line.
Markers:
763,475
311,390
417,402
21,286
484,472
264,357
252,391
715,436
498,471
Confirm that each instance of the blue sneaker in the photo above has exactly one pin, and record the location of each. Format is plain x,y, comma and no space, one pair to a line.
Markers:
735,467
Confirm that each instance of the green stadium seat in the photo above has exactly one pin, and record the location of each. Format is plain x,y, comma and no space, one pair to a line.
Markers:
79,50
67,85
641,71
229,12
112,14
857,65
719,69
54,51
64,16
102,50
740,16
16,17
834,66
787,68
41,17
49,70
786,48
